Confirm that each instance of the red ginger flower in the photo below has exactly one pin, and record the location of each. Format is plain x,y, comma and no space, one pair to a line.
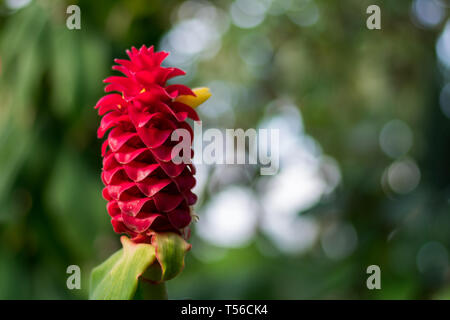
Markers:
146,191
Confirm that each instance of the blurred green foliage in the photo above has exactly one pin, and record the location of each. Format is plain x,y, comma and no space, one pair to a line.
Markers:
346,80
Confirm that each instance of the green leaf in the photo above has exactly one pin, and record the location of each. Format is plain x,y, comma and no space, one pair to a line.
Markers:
117,278
170,251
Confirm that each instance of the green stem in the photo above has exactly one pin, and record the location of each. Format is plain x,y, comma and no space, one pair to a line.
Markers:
149,290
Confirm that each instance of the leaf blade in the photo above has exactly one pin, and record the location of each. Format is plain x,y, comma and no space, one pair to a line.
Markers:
117,278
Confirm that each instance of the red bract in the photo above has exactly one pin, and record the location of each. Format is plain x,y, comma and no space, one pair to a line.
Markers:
146,191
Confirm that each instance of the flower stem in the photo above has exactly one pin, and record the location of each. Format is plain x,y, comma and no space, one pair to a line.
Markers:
149,290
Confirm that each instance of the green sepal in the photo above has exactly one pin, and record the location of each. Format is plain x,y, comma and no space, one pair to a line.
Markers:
170,251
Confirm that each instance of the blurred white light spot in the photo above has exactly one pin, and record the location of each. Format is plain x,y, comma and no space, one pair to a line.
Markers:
224,175
403,176
17,4
196,34
302,179
290,124
190,36
432,257
305,13
248,13
444,100
230,218
295,188
204,11
443,3
305,176
280,7
339,241
219,108
291,234
443,46
188,9
201,177
396,138
428,13
215,17
254,7
255,50
330,172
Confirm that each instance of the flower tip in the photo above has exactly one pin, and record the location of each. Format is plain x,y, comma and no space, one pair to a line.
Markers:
201,95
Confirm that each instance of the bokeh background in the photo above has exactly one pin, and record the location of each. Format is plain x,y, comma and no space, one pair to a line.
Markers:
364,144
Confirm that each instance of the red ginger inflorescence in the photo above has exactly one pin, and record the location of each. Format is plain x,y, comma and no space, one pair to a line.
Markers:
146,191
